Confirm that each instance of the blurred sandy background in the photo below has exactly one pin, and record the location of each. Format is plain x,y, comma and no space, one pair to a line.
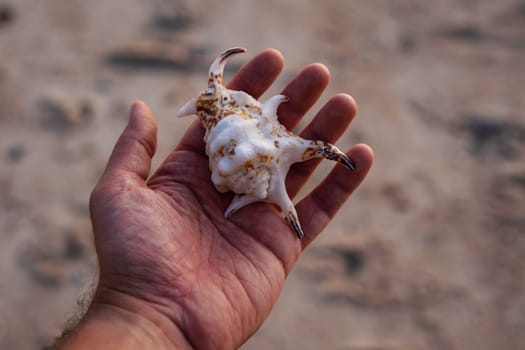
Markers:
428,254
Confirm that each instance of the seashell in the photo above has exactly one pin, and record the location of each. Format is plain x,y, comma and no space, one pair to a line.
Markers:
249,151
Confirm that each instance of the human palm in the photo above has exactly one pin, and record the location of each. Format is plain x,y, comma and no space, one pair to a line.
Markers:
163,240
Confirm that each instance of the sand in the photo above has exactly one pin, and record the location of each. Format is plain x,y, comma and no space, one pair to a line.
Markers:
428,253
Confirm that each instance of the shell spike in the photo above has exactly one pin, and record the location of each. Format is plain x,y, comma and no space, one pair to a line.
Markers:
331,152
294,222
217,67
189,108
347,162
238,202
269,108
316,149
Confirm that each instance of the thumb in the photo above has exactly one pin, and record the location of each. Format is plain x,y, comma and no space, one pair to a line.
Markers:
131,157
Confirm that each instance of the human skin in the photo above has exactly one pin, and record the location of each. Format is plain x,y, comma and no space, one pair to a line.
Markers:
174,273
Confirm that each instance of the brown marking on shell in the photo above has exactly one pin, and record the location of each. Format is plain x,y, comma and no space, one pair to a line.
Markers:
278,131
224,150
207,110
264,158
207,105
309,153
220,152
244,114
231,147
238,112
276,144
218,78
319,149
210,122
327,152
228,112
254,108
247,166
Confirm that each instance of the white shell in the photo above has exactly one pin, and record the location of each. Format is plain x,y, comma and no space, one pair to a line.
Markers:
250,152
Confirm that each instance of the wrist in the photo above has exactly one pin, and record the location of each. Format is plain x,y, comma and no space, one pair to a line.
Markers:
115,320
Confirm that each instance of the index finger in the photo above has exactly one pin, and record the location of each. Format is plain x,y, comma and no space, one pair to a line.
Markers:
254,78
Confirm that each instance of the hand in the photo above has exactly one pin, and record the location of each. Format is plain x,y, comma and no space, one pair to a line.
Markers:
167,255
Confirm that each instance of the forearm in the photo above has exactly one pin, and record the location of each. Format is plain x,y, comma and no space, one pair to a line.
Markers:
124,324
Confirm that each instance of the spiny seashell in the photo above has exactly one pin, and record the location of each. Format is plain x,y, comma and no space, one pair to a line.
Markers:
250,152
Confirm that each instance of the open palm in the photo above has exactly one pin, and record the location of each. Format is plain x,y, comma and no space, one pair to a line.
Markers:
163,240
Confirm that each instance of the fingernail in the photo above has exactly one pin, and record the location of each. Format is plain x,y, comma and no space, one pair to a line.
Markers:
137,108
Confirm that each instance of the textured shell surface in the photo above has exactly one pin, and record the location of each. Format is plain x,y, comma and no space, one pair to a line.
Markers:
249,151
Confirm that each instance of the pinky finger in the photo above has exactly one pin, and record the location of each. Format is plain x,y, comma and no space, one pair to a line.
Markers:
318,208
